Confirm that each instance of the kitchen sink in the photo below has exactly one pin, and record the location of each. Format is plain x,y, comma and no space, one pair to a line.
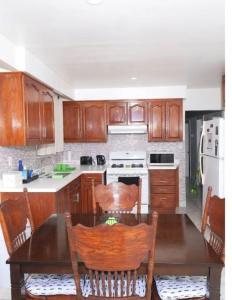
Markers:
58,175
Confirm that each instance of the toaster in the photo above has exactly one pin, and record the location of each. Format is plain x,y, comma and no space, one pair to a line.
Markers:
86,160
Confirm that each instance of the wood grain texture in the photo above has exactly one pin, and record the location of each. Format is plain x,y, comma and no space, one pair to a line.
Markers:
117,112
137,112
14,214
156,121
180,249
113,252
12,113
213,222
174,120
26,111
117,197
33,110
47,114
94,121
72,121
164,190
86,191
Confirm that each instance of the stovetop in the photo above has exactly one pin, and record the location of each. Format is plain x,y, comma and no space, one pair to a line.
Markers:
126,165
127,162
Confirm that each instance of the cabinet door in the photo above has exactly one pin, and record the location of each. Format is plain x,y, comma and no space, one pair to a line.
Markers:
32,111
94,121
72,121
74,203
174,120
117,113
47,110
156,121
86,191
137,112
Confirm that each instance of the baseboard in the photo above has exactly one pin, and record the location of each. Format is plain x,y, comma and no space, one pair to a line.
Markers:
5,294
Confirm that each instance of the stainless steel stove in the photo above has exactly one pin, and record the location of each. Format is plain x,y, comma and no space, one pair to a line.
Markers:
128,167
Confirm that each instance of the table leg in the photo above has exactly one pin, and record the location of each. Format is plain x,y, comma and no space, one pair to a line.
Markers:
16,278
215,282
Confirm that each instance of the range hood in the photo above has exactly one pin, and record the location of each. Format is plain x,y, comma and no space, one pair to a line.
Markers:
126,129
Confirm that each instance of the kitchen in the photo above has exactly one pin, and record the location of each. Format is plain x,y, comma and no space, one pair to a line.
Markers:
196,96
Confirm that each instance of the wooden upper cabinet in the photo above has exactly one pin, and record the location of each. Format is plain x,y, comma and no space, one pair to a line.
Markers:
94,121
26,113
47,116
156,121
165,120
117,113
174,120
33,110
137,112
72,121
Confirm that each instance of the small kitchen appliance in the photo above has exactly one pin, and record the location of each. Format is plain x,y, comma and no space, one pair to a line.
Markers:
101,160
86,160
160,159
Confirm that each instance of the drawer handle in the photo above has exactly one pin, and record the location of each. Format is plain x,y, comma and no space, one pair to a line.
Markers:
163,181
164,198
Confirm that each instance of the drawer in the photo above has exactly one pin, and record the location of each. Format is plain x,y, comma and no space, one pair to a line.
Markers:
163,189
163,177
165,201
90,177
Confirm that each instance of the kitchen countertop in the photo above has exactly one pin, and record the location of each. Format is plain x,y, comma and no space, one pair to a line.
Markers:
50,185
165,167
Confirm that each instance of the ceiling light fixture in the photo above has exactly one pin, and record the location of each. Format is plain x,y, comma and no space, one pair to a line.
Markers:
94,2
133,78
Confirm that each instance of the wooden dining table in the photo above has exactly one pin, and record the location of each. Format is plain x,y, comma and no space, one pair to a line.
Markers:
180,249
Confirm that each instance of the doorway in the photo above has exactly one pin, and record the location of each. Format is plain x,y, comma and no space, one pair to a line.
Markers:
193,128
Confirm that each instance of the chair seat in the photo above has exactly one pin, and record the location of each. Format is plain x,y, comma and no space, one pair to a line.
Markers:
54,284
50,284
181,287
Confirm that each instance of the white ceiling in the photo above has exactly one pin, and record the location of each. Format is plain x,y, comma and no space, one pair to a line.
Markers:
161,42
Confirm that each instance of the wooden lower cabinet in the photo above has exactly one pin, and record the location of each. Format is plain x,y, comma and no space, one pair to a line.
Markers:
164,190
76,197
86,190
42,205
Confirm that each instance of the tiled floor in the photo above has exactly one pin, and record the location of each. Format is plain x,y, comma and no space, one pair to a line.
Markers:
193,209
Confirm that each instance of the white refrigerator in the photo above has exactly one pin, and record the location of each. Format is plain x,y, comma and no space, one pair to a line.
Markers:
212,157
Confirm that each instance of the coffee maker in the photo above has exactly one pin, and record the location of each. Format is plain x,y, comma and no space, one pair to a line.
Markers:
101,160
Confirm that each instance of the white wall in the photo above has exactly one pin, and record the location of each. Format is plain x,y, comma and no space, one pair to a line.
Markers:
18,58
203,99
131,93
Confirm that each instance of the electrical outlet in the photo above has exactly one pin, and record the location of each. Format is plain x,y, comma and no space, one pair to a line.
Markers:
10,161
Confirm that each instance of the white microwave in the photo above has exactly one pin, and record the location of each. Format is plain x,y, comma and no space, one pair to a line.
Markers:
161,159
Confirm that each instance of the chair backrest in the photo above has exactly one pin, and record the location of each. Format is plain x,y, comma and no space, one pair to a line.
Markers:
14,214
213,222
116,197
112,256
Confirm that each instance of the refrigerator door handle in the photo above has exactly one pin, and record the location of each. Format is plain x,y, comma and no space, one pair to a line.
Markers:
201,170
201,143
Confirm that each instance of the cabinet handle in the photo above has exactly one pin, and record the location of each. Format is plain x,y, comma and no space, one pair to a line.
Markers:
163,181
76,198
164,198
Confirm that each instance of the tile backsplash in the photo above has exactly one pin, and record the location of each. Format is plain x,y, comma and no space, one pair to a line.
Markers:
130,142
9,158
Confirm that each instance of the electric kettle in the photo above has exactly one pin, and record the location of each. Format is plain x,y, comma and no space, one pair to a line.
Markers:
101,159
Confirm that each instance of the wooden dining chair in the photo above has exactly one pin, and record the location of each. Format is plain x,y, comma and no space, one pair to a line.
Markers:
14,214
213,230
112,255
117,197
